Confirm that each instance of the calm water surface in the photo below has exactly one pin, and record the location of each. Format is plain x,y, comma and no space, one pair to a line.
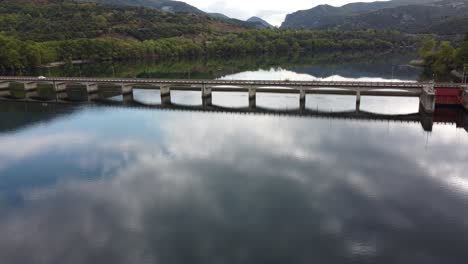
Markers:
98,184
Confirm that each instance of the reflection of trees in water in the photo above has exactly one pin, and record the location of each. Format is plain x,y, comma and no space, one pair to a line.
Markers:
357,63
20,115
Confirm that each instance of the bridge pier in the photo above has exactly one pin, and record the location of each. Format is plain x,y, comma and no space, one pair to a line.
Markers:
427,98
126,89
91,88
252,103
166,100
302,105
358,100
4,85
206,95
60,87
30,86
61,96
426,119
252,97
465,98
127,98
5,93
206,91
93,96
207,101
32,94
302,99
165,91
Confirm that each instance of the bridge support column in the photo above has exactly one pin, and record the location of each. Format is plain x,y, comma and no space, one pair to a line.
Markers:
127,98
465,98
30,86
207,101
427,119
4,85
427,98
165,91
206,96
252,97
60,87
465,121
5,93
166,100
91,88
61,96
32,94
358,100
126,89
206,91
93,96
302,99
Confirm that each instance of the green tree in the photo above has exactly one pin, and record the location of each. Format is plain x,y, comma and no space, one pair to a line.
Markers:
427,47
446,52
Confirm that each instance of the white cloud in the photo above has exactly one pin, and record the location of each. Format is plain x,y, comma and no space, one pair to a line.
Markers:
272,11
16,148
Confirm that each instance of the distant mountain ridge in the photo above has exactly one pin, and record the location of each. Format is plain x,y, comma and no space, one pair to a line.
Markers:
163,5
182,7
218,15
260,23
412,16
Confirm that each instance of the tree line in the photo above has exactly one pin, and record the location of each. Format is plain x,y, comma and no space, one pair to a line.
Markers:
17,54
441,58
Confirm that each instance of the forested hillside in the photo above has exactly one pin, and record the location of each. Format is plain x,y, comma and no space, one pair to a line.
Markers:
64,19
37,32
447,17
164,5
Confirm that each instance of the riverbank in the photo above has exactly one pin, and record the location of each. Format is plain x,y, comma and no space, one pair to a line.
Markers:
62,63
417,63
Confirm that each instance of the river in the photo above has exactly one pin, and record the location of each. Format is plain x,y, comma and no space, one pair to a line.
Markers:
106,184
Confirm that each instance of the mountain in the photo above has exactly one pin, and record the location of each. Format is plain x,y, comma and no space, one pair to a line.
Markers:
64,19
412,16
260,23
323,15
218,16
164,5
253,22
180,7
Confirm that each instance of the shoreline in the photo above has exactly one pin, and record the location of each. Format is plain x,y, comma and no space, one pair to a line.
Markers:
61,63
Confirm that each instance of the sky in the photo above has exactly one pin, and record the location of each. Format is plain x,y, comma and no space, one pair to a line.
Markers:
273,11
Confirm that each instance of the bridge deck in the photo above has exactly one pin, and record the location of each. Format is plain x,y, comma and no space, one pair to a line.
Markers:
260,83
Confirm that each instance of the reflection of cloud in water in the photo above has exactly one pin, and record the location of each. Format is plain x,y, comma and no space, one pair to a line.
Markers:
230,99
147,96
390,105
232,188
282,74
16,148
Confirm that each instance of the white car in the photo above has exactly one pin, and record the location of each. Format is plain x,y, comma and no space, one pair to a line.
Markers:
42,77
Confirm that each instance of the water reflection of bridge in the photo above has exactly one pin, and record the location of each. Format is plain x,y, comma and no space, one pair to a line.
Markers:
446,115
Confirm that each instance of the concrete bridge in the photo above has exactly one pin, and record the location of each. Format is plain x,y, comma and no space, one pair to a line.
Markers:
430,94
